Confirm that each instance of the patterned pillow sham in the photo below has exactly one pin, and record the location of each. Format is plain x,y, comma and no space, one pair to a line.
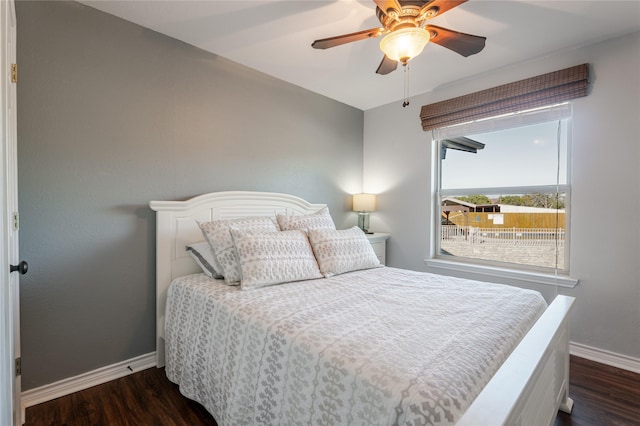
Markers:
318,220
203,255
268,258
217,233
340,251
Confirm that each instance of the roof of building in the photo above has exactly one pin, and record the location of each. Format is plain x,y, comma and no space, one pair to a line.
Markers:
503,208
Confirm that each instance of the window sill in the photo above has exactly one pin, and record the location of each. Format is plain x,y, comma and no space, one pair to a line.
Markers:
494,272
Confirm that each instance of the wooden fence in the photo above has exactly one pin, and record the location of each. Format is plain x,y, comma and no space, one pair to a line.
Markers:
506,219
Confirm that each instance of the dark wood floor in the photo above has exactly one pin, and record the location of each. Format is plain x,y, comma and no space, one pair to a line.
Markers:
140,399
602,395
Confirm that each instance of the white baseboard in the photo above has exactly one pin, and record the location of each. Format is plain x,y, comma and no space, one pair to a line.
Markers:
605,357
86,380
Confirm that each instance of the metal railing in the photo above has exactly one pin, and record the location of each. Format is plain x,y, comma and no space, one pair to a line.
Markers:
528,237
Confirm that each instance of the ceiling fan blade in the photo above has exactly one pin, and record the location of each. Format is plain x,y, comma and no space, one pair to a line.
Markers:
464,44
438,7
386,66
325,43
385,5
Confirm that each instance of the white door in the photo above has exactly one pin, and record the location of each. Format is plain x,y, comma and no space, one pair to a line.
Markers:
10,410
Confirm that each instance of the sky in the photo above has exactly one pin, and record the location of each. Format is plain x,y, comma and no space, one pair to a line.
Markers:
524,156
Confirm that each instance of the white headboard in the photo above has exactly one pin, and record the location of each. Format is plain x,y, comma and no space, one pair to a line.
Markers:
176,227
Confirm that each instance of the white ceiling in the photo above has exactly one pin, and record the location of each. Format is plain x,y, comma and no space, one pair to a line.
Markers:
275,37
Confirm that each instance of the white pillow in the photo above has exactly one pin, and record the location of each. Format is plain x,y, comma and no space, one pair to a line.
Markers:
318,220
340,251
224,252
268,258
202,254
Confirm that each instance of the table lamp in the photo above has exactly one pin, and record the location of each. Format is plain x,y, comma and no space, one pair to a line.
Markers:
363,204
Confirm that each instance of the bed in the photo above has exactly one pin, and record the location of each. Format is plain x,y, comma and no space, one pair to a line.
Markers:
328,350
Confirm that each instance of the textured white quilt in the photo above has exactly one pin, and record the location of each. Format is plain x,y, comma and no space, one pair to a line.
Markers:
382,346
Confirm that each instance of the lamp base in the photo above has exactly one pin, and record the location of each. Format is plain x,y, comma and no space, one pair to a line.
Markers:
363,222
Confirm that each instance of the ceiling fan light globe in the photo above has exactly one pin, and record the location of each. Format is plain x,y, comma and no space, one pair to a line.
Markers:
404,44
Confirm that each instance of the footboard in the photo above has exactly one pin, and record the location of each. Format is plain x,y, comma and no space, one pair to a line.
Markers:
533,383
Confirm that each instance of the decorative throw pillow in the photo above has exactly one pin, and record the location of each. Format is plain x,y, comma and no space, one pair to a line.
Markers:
202,254
340,251
224,252
318,220
268,258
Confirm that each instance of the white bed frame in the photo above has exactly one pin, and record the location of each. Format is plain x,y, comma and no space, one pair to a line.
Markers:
528,389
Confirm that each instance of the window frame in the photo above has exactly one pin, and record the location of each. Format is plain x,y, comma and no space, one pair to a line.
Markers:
522,272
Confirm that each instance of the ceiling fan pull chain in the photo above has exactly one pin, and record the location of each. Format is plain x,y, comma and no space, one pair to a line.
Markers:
406,85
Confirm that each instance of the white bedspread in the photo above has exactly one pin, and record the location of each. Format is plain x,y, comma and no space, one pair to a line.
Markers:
382,346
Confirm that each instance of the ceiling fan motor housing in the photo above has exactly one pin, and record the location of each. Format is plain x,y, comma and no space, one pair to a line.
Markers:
409,16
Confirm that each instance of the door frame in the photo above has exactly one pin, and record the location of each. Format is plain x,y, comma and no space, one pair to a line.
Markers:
10,407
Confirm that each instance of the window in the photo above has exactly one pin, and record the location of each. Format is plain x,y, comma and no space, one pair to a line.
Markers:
503,190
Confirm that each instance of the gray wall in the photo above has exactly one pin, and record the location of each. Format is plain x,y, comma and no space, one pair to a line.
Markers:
111,116
605,231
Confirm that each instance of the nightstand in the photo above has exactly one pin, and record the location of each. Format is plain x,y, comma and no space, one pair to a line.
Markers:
378,241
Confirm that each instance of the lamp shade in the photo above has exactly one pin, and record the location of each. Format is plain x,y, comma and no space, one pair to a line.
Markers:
364,202
403,44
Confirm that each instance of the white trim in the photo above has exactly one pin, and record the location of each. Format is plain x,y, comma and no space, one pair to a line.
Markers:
506,190
493,272
86,380
10,383
605,357
506,121
562,112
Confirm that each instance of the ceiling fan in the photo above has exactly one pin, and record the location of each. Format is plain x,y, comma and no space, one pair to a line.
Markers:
406,33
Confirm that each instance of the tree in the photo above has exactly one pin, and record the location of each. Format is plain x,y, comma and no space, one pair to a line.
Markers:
475,199
512,200
547,201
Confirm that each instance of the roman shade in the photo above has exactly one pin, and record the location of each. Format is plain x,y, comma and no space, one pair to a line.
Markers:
546,89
